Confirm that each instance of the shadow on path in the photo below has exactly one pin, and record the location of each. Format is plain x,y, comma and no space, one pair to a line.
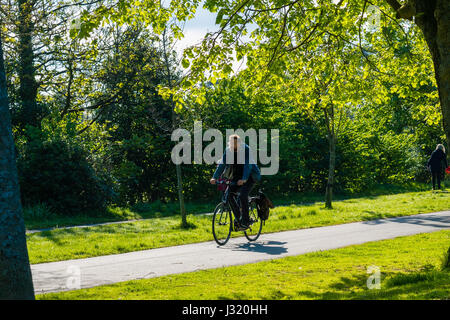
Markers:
429,221
268,247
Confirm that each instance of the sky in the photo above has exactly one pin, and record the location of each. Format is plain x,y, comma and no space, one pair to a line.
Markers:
196,28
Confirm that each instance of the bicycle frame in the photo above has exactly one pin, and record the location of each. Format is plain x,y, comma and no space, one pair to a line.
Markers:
231,201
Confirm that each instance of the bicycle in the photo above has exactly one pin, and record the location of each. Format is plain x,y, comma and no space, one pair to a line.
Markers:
224,221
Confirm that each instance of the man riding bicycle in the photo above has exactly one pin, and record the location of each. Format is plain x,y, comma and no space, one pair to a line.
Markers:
244,172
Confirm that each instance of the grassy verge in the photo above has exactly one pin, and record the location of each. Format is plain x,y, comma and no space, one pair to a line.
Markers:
42,217
77,243
411,268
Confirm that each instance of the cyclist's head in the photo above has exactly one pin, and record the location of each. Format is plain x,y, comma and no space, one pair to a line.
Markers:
441,147
234,141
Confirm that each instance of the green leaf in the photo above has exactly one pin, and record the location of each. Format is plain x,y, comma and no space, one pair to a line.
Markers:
220,16
185,63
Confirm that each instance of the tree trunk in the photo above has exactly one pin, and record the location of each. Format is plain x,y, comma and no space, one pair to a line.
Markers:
184,223
331,166
175,121
433,18
442,64
29,113
15,273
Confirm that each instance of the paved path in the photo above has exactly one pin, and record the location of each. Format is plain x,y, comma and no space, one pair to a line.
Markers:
57,276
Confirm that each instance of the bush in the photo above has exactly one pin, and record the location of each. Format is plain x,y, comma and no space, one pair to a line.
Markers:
58,174
40,211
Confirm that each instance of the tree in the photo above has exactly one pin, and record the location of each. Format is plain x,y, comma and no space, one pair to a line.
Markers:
138,150
433,19
320,81
28,85
283,27
15,273
40,54
278,31
170,79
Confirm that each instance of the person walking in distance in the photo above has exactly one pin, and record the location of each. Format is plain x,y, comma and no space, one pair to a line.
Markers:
434,165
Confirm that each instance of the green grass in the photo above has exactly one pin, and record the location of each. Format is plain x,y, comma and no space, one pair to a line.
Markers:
41,216
56,245
410,269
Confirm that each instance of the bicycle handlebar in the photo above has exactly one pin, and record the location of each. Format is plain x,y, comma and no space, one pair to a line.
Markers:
227,182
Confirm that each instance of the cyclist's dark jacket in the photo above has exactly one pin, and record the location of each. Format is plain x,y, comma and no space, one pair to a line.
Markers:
435,160
249,166
238,168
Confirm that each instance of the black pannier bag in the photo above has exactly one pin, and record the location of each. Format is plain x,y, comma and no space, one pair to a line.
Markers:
263,205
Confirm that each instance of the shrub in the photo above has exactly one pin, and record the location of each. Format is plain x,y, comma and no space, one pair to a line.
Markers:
38,211
58,174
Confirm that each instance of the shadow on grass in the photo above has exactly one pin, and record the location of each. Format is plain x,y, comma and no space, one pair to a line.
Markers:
233,296
428,284
56,235
371,215
114,214
187,226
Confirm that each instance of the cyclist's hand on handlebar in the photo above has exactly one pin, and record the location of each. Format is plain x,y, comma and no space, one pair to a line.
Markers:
212,181
241,182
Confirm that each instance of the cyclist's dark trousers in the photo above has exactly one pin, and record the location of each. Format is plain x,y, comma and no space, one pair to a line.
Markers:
436,177
243,197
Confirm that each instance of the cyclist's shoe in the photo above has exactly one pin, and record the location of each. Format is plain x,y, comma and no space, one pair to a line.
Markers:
245,225
239,226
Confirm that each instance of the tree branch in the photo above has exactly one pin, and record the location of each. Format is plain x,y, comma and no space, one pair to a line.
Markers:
394,4
406,11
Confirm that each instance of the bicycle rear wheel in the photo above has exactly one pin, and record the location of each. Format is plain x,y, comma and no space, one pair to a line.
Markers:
222,224
253,233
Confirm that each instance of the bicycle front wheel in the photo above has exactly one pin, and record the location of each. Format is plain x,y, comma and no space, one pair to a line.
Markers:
222,224
253,233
